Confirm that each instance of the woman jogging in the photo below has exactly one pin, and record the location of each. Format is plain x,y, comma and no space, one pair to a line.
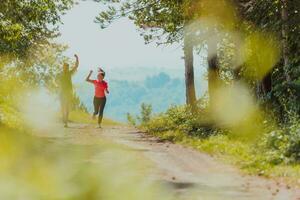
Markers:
101,88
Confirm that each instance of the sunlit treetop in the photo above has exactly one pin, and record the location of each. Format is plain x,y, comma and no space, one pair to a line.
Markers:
166,21
157,20
27,22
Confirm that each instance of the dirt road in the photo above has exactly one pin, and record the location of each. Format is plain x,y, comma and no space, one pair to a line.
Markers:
188,173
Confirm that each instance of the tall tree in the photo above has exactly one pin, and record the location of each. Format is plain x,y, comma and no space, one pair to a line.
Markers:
26,32
282,18
189,70
213,72
162,21
284,32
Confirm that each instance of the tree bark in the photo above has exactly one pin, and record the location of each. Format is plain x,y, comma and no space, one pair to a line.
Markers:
284,33
264,86
189,70
267,83
213,73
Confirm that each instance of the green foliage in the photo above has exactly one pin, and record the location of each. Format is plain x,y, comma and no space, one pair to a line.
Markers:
184,120
166,21
131,119
11,88
146,111
143,118
267,16
160,21
29,59
280,145
10,117
272,154
26,23
283,145
19,76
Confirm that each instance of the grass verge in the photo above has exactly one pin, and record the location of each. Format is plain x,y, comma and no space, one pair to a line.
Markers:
246,156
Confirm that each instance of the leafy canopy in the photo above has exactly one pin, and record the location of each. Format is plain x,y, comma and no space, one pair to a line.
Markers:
24,23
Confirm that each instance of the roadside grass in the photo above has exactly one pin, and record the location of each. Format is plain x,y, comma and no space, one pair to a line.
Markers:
79,116
247,156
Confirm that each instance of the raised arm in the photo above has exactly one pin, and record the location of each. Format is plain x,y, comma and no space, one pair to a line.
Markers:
88,78
76,64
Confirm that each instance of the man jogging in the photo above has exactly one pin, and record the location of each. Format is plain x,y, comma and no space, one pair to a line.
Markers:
101,88
66,89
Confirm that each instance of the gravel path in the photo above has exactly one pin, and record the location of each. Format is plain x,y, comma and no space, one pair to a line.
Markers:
188,173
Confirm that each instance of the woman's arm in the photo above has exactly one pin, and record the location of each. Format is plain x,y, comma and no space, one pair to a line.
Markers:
88,78
106,89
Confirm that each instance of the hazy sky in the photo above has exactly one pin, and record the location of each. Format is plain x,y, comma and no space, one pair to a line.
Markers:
118,47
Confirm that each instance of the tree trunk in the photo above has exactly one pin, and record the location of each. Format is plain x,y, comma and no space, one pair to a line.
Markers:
189,71
267,83
284,32
213,73
264,86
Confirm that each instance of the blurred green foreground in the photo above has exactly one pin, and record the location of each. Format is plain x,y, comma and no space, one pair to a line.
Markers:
46,167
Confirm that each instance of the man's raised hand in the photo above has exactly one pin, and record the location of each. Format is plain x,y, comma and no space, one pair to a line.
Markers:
76,64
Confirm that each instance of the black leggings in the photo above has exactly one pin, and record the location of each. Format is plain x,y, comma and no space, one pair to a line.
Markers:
99,104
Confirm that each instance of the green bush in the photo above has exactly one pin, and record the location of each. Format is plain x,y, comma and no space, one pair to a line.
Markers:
293,145
143,118
184,120
146,112
131,119
274,144
283,145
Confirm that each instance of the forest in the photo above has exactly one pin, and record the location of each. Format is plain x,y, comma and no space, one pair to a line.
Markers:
249,118
252,50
